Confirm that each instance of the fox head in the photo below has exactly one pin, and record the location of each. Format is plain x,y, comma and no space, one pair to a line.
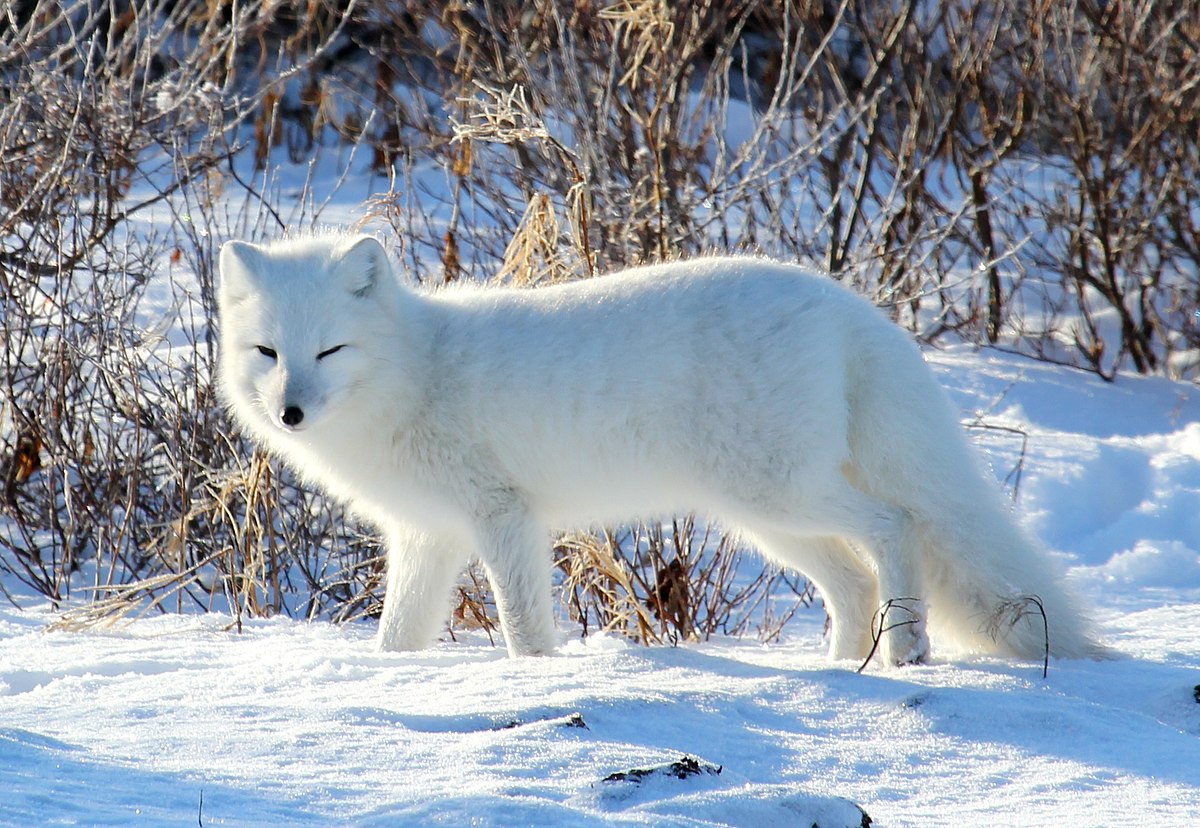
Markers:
301,325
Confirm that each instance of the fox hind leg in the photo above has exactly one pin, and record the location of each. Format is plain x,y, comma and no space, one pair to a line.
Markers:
847,585
888,535
817,535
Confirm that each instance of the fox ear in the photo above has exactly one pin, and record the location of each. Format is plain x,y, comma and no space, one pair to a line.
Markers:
239,263
360,268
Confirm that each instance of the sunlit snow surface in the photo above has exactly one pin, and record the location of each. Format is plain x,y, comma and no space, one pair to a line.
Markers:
178,720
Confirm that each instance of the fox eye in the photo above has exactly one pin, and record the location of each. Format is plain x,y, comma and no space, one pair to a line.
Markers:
267,352
330,351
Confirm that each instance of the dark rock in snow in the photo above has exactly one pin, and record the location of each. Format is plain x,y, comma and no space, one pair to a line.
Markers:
571,720
681,769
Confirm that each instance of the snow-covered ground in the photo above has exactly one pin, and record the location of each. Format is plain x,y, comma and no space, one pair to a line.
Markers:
178,720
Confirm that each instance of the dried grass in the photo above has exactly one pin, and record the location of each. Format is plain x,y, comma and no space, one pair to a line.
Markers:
584,138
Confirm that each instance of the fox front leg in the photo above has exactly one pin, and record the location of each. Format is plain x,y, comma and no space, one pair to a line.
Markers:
420,575
514,551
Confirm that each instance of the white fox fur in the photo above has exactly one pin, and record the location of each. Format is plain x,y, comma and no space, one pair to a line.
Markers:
473,421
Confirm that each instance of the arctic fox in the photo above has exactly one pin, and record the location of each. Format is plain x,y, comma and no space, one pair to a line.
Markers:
469,422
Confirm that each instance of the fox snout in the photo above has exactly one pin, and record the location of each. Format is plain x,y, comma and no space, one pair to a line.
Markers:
292,417
297,404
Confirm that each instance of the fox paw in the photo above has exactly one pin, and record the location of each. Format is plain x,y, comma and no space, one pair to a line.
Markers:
900,625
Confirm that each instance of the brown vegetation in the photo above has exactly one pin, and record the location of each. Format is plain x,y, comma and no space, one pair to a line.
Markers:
1019,173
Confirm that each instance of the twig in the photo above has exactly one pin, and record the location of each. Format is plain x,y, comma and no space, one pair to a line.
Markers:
879,620
1009,613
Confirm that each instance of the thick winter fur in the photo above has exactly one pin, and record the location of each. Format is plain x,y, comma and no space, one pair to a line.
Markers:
470,422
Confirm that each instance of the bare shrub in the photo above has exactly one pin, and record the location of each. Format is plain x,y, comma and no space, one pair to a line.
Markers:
116,456
1008,173
1120,92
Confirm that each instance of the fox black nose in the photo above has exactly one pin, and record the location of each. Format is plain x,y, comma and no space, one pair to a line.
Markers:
292,416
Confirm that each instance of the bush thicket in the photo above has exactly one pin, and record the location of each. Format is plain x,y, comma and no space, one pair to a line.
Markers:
1014,173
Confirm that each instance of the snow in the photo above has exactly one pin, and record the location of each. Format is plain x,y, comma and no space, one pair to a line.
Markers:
1112,472
182,719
